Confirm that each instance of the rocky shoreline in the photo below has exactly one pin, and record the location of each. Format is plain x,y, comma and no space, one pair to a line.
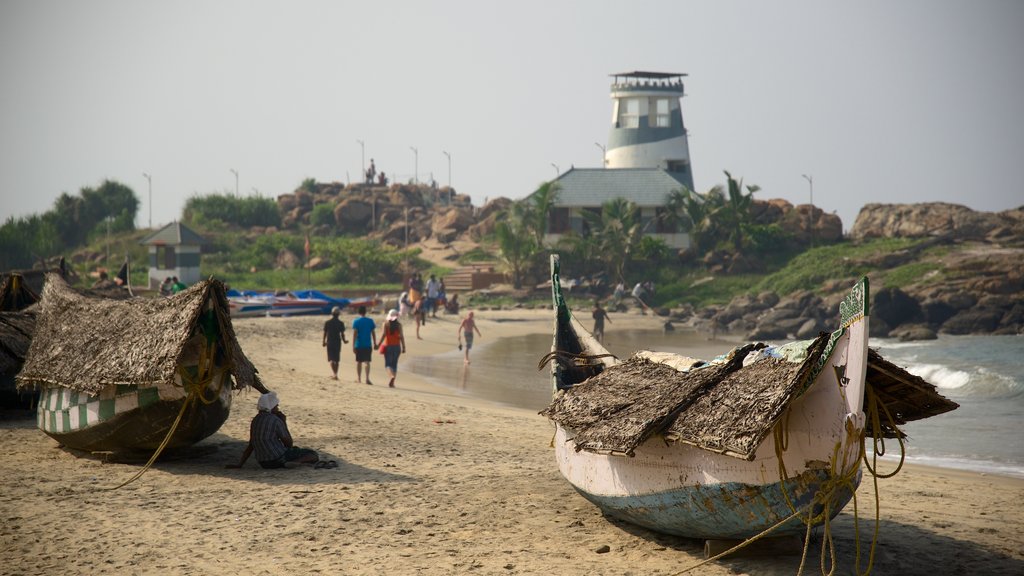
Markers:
974,285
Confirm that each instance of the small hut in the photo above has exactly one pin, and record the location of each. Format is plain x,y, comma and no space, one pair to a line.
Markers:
174,250
116,375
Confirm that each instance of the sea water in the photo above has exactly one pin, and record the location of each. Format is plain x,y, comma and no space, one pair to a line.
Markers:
984,375
981,373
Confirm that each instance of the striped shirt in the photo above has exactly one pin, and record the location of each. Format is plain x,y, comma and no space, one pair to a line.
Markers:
265,433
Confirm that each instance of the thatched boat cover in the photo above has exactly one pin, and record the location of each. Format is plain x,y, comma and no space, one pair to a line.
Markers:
16,330
15,293
907,397
87,344
722,406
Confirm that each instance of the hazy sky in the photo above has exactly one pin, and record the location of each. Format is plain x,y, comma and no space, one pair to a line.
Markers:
878,101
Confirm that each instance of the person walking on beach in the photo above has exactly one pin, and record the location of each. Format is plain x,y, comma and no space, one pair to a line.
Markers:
270,439
638,294
433,292
417,316
394,345
364,342
334,335
600,315
466,329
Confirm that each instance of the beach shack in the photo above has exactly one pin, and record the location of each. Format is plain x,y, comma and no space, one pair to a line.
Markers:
174,250
647,157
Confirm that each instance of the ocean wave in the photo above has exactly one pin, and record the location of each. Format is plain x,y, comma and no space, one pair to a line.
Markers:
941,376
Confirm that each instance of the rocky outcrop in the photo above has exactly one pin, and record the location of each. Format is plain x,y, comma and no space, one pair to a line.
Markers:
976,286
938,219
384,212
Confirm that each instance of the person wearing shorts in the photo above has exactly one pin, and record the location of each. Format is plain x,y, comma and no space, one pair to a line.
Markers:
364,342
466,329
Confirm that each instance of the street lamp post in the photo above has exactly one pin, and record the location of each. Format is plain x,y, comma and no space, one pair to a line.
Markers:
416,155
449,176
150,179
557,171
603,151
362,158
235,172
810,182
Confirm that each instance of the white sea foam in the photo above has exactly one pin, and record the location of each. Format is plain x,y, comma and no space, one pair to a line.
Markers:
941,376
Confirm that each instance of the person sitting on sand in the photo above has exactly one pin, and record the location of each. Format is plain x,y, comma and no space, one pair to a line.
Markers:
466,329
270,439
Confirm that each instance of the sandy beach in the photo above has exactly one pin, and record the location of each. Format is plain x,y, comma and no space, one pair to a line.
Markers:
429,481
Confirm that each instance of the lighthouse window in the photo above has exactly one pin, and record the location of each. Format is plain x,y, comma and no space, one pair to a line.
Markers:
631,115
662,118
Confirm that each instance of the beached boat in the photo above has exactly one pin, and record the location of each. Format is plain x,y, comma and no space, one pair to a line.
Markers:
763,438
129,375
242,306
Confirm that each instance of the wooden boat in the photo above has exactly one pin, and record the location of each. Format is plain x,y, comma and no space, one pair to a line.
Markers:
135,374
763,438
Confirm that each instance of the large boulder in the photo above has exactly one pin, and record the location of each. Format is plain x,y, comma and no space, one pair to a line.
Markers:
895,307
974,321
935,219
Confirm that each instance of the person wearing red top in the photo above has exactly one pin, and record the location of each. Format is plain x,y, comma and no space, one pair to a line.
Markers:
394,344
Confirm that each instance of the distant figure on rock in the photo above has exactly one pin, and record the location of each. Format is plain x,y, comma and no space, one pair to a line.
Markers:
371,172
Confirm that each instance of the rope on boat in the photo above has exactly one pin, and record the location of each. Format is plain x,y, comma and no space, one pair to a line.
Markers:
195,387
571,359
841,476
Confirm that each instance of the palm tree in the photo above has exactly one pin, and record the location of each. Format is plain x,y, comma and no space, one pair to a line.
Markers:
735,214
516,245
535,214
688,211
617,230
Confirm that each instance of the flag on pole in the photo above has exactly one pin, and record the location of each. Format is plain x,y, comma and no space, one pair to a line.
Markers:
307,247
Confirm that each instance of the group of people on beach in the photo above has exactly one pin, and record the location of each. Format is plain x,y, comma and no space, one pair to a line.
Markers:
269,437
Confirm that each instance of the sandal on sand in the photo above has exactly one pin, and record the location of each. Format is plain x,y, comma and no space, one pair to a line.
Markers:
320,464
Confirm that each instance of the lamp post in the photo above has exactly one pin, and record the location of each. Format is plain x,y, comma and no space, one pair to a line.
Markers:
557,171
235,172
603,151
362,157
150,179
416,154
449,176
810,183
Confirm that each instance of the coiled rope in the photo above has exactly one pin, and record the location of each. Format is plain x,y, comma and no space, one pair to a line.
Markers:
842,476
194,388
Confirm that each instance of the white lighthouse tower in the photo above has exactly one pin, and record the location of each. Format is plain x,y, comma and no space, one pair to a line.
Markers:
647,124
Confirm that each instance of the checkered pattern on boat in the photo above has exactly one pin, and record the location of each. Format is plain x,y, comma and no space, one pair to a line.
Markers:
62,410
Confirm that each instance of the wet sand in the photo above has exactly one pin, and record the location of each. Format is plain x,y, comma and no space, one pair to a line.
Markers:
430,481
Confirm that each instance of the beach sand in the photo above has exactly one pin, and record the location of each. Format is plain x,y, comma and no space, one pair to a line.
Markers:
429,482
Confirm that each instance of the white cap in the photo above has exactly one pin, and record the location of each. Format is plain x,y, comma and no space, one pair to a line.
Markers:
267,402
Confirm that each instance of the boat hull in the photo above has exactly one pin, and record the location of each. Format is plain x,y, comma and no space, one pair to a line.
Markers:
812,455
130,418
